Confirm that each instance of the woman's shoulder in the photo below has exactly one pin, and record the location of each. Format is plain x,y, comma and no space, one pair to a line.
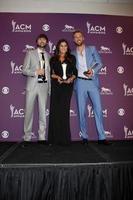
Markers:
72,58
53,59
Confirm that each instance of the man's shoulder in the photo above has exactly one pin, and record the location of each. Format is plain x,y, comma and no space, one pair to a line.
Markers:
47,53
73,52
90,47
31,51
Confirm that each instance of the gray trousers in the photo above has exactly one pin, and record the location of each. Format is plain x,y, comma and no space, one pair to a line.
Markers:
40,91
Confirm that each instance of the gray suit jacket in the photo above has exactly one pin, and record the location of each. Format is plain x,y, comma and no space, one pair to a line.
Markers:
31,63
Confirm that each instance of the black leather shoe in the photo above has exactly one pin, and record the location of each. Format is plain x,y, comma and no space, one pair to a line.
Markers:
25,143
44,142
104,142
84,141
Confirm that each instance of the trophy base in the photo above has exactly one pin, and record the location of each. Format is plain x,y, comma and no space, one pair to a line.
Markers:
86,73
41,79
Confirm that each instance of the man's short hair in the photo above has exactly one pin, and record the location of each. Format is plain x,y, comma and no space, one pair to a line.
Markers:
42,36
78,31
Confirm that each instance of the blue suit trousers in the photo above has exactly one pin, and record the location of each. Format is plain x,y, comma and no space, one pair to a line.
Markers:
89,89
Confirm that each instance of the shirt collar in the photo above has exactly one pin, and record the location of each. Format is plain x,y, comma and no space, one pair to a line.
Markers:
40,50
83,52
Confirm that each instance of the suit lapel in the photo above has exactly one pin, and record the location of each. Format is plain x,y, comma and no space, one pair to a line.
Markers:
45,55
76,55
37,56
46,59
87,56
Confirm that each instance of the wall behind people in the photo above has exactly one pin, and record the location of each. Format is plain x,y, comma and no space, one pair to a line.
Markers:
112,36
110,7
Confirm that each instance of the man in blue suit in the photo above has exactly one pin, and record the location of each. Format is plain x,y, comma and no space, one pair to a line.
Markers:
87,85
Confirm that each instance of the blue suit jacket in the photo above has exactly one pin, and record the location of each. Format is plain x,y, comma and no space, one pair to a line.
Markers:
93,61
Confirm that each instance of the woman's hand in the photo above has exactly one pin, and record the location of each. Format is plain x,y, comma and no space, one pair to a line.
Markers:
69,80
59,79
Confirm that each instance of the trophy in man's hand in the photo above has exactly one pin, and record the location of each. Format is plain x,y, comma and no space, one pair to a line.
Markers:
41,78
64,66
86,73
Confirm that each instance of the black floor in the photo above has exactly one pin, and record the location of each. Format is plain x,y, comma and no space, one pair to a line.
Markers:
93,153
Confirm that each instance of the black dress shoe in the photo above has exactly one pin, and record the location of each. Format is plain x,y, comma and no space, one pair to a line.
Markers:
44,142
25,143
84,141
104,142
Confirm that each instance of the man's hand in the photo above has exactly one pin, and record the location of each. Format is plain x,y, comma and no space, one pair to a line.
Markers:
89,73
40,71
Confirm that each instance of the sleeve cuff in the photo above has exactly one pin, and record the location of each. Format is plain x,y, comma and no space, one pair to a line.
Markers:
93,72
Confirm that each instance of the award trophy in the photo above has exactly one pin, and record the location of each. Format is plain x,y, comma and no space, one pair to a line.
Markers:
41,78
64,66
87,73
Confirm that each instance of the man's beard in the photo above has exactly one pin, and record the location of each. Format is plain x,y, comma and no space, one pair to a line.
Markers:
79,44
41,46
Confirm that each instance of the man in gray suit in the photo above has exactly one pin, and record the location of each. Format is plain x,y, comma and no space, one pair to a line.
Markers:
36,68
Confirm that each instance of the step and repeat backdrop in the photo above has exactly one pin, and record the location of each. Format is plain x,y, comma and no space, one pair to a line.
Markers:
112,36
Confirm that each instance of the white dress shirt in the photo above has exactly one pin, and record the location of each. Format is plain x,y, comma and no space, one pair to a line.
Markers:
40,59
82,65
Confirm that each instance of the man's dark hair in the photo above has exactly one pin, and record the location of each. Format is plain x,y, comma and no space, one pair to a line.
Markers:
42,36
68,56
